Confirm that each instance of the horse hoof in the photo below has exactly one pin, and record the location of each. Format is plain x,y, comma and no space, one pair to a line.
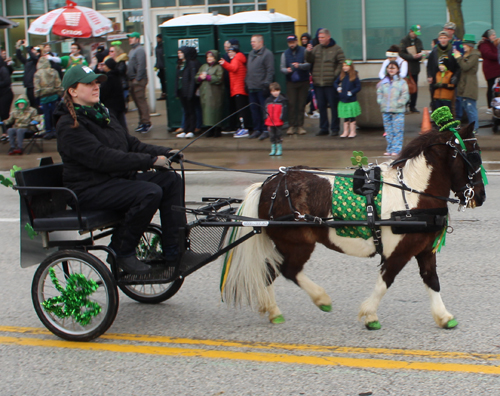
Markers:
278,319
373,325
325,308
451,324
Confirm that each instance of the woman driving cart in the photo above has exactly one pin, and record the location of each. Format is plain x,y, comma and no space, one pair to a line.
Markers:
109,169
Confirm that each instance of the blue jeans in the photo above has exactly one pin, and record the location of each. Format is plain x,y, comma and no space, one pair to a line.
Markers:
469,106
48,109
257,111
327,96
16,137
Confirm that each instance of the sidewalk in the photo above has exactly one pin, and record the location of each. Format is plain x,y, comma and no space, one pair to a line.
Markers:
367,139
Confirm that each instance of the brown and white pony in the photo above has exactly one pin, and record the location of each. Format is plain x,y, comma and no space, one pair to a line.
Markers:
433,163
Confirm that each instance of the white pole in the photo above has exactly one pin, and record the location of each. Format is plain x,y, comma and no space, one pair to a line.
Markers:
149,55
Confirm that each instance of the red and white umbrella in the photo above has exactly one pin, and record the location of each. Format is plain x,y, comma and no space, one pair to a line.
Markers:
72,21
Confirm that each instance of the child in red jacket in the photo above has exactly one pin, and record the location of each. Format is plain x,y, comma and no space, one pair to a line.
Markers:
275,112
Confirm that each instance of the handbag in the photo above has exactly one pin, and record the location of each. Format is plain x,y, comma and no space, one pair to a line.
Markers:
412,86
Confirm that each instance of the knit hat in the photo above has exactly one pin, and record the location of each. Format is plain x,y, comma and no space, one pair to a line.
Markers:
444,119
111,63
416,29
450,25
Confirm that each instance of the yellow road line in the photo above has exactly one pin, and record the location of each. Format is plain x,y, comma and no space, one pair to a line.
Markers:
254,356
272,346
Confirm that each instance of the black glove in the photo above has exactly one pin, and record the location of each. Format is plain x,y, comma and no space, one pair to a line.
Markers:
175,156
438,85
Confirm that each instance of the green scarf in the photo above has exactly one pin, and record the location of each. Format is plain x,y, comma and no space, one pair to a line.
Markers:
97,113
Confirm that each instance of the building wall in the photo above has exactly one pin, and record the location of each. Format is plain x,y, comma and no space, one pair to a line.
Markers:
295,8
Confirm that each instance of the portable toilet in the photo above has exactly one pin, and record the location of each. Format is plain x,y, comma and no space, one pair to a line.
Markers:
273,26
194,30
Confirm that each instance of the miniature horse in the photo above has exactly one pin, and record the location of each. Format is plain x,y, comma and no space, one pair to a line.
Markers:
434,164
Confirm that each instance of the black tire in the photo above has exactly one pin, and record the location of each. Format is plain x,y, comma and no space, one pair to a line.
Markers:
149,248
65,263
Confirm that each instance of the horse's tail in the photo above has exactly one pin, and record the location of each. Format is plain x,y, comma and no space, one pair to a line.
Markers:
251,266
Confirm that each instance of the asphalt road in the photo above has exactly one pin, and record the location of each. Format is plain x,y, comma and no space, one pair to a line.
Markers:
195,345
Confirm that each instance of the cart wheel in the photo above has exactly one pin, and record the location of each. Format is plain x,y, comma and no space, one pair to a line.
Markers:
60,273
150,248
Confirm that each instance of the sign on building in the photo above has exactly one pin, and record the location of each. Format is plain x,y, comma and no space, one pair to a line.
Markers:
192,42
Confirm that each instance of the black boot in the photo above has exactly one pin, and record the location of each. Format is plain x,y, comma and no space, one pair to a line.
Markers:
132,265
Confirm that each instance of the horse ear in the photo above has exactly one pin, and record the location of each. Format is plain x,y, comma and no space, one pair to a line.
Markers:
468,131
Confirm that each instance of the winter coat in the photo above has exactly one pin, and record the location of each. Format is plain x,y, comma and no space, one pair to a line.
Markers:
392,95
111,92
288,57
185,83
413,64
69,61
160,61
29,67
443,88
22,118
450,62
5,81
136,69
93,154
403,68
347,86
237,72
326,63
47,82
260,69
211,91
489,53
468,84
121,67
275,110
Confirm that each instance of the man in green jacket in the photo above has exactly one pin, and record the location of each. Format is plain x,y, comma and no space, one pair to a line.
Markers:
326,59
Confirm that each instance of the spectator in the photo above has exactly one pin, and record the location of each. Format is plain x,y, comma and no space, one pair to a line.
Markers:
276,113
185,87
392,54
211,80
326,59
160,67
29,69
491,67
55,61
305,39
410,49
20,118
449,27
296,69
233,121
8,61
444,89
48,90
442,50
100,54
237,72
6,96
137,80
121,59
75,57
392,96
468,85
348,85
260,74
111,92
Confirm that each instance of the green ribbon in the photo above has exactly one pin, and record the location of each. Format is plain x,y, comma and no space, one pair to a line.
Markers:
462,144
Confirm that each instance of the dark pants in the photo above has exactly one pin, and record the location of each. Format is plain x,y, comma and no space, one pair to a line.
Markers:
48,110
188,107
327,96
297,97
139,198
241,101
257,110
437,103
275,134
413,97
161,76
6,99
30,93
489,94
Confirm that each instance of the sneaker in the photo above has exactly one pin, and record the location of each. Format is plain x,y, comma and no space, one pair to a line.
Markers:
162,97
414,110
322,133
255,134
189,135
264,135
4,139
241,133
291,131
146,128
301,131
49,135
181,135
139,128
489,111
179,130
315,114
306,114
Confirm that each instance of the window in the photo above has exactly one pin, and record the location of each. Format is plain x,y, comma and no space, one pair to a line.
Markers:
102,5
132,4
183,3
53,4
162,3
430,22
35,7
134,21
477,17
14,8
15,34
224,10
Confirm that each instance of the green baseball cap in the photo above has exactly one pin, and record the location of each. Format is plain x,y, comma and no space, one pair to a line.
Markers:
416,29
81,74
134,35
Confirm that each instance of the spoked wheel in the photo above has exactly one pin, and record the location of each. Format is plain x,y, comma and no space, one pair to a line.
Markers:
74,295
150,248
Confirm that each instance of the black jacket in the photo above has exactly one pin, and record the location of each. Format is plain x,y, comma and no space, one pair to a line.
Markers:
160,62
111,92
413,64
93,154
450,62
29,67
5,81
186,77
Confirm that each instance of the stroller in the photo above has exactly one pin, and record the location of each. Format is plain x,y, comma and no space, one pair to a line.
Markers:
495,104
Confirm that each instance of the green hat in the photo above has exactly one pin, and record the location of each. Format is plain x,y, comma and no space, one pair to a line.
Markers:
469,39
81,74
416,29
134,35
444,119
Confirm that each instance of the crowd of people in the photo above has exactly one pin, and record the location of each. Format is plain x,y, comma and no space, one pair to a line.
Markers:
316,72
